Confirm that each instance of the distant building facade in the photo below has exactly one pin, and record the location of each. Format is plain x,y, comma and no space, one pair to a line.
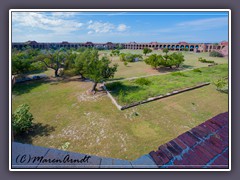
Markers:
181,46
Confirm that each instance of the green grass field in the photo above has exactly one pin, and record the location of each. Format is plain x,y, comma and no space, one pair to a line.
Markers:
130,91
64,113
141,69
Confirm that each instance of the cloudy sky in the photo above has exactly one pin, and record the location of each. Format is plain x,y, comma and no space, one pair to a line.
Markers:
120,26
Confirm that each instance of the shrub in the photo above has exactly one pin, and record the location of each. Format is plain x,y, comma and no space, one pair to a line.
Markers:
197,70
222,85
142,81
130,57
22,119
179,74
204,60
115,52
215,54
125,63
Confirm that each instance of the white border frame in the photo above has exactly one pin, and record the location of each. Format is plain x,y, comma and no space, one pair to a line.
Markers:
118,10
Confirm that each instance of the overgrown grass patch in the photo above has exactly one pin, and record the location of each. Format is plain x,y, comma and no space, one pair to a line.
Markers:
130,91
97,127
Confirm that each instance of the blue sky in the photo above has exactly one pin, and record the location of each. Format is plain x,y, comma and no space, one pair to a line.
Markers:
192,27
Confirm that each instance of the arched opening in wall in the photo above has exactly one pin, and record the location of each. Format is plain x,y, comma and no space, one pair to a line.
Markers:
173,47
187,47
196,46
191,48
149,46
181,47
164,46
160,46
219,47
177,47
169,46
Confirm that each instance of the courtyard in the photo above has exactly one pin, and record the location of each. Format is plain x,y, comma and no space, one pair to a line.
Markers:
67,117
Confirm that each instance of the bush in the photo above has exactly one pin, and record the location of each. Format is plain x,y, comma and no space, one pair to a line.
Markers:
179,74
204,60
115,52
215,54
222,85
130,57
197,70
125,63
22,119
142,81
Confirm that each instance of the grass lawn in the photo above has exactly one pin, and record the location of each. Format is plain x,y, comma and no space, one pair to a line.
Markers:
141,69
64,113
130,91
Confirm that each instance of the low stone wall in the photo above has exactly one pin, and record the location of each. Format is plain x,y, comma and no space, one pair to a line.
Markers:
152,98
112,98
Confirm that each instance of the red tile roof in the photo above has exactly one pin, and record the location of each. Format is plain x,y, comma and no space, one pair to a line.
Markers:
204,146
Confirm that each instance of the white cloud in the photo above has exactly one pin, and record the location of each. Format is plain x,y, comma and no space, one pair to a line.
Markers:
42,21
63,14
101,27
122,27
104,27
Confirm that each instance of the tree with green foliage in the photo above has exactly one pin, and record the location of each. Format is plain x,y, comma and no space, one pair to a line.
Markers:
174,59
22,60
119,46
215,54
115,52
177,59
82,60
20,64
146,51
165,50
99,70
153,61
22,119
53,59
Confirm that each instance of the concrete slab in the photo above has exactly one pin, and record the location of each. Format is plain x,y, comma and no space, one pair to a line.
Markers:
144,161
23,155
64,159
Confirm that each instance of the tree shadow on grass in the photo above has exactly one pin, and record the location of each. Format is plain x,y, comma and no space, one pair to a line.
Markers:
26,87
116,87
115,79
168,69
38,129
185,66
